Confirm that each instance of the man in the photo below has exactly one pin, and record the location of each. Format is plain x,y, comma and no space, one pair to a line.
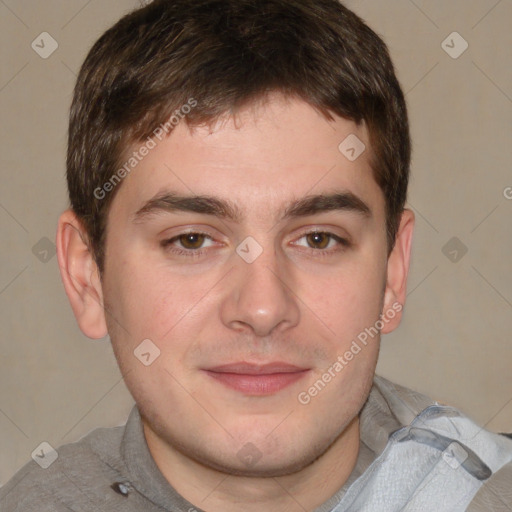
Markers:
237,171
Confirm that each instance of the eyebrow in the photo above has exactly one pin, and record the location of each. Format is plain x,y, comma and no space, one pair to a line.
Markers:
225,209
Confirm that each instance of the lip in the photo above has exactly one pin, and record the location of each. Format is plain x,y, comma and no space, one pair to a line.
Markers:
255,379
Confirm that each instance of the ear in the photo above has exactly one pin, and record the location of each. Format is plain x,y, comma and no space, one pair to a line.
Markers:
80,276
397,271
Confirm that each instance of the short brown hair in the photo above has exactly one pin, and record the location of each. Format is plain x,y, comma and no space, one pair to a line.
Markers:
226,54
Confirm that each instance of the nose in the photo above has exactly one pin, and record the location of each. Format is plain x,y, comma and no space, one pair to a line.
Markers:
260,298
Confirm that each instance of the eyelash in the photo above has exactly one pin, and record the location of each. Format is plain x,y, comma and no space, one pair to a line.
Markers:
343,244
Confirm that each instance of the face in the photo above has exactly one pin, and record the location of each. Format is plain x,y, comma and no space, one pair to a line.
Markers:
252,254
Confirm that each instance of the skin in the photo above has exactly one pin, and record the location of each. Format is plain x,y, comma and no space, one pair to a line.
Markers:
302,301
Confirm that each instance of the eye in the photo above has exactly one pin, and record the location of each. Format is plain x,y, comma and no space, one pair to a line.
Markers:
322,240
192,240
318,240
188,242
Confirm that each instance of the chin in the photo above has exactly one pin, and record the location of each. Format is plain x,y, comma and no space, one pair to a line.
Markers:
264,467
265,456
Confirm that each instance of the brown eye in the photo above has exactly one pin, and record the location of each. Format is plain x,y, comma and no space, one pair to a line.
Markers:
318,240
192,240
193,244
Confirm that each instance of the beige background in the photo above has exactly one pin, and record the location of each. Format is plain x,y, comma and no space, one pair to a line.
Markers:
455,341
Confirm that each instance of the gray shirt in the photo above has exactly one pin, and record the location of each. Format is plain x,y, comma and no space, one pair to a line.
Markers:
111,469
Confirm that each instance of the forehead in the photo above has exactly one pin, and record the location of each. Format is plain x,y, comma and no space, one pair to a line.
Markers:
267,155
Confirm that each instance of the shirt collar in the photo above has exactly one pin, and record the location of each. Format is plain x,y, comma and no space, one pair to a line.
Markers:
144,474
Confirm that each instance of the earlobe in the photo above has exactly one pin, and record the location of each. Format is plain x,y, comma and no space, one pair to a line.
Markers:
397,271
80,276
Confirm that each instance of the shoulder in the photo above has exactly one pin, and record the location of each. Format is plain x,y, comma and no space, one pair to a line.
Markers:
420,416
74,473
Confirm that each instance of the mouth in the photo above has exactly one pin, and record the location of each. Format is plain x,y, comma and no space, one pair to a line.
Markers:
257,380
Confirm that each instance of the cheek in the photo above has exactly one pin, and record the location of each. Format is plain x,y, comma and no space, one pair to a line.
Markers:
153,302
155,306
347,300
136,297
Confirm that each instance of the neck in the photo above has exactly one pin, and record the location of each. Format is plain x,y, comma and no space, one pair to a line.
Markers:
216,491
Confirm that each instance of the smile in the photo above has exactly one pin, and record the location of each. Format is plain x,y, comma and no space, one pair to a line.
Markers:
257,380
